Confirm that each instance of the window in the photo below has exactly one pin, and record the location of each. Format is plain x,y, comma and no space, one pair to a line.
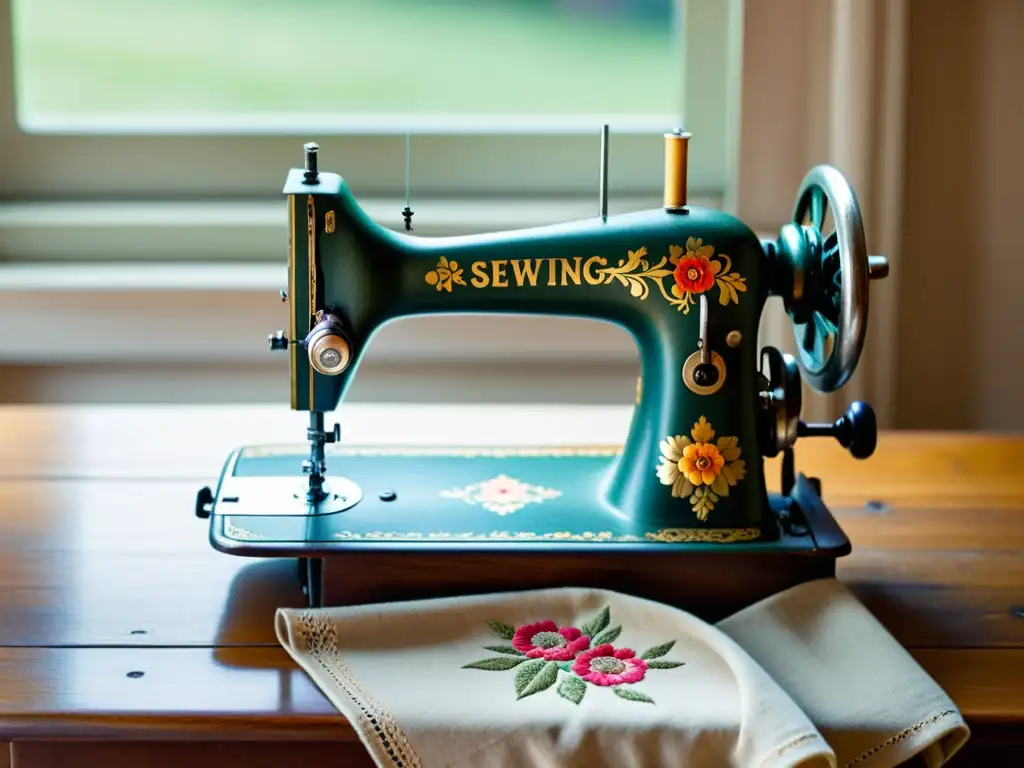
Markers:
159,131
151,99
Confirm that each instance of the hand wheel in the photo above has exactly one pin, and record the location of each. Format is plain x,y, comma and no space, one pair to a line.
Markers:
828,296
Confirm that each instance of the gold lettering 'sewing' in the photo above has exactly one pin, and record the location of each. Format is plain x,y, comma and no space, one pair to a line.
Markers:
526,270
571,272
498,277
561,271
480,277
589,274
642,275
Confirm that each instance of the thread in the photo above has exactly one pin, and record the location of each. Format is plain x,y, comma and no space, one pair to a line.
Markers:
676,148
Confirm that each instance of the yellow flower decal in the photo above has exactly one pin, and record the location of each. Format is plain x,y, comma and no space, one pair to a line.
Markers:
445,275
700,469
694,270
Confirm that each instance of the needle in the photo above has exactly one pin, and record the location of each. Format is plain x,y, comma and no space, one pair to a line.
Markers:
604,173
407,213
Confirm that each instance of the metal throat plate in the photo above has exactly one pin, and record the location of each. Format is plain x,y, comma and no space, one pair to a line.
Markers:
281,495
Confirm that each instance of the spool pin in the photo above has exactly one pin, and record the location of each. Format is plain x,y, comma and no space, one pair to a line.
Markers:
676,146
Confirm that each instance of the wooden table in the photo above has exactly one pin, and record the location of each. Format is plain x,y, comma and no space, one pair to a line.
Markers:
126,640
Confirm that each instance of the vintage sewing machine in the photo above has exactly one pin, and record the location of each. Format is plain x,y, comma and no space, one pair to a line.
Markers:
680,513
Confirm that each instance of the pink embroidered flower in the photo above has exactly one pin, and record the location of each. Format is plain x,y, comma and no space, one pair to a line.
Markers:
606,665
544,640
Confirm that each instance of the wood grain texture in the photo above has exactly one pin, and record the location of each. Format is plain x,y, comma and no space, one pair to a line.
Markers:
247,694
92,754
254,694
104,571
99,562
941,598
127,563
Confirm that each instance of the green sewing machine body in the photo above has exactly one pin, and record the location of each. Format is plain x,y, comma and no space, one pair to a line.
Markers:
689,284
617,270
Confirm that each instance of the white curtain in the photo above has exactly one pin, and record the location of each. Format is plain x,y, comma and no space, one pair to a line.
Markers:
824,82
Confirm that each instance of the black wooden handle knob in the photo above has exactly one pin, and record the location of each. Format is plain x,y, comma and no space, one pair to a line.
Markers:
856,430
204,500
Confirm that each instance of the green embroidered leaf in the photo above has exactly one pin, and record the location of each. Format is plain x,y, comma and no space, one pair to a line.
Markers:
565,665
572,688
608,636
541,681
495,664
504,631
664,664
630,695
526,674
595,625
658,651
504,649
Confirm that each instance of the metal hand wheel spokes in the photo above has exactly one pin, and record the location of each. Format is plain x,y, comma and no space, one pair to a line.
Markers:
830,342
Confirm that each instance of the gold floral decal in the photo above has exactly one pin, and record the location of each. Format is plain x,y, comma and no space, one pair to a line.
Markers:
700,469
695,271
445,275
502,494
543,653
665,535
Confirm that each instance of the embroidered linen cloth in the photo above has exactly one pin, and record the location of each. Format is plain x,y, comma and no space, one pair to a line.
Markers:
550,678
867,695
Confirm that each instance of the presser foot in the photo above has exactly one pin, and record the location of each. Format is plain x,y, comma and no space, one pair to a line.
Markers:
276,495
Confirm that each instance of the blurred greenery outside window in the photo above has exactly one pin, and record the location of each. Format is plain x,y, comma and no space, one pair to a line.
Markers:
149,99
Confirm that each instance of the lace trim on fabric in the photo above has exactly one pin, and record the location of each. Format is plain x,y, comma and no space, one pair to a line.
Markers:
799,740
322,641
900,737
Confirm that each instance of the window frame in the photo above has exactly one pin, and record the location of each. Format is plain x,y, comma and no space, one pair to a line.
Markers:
776,96
234,164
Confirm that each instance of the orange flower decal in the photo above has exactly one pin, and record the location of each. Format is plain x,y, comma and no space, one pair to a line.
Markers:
692,270
701,463
694,274
701,469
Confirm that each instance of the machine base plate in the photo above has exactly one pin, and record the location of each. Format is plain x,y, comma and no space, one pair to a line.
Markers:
436,522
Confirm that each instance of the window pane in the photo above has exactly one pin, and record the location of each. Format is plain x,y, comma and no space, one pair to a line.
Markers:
374,65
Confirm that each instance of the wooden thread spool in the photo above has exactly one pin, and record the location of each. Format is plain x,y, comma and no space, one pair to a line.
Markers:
676,145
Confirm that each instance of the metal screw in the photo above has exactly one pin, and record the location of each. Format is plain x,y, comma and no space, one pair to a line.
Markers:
874,505
388,496
135,674
138,632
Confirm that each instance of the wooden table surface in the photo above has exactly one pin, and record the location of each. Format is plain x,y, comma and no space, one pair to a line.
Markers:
120,626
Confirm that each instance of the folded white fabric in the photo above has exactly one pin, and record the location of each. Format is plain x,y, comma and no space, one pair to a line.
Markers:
871,700
551,678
